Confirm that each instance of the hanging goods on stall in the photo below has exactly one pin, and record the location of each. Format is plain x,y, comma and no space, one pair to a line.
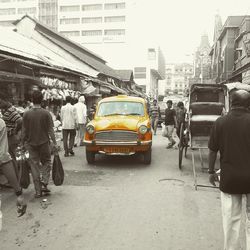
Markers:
55,89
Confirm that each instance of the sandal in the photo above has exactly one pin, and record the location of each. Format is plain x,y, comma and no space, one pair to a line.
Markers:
21,210
44,188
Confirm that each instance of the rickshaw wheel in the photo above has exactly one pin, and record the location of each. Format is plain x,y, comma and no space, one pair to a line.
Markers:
181,146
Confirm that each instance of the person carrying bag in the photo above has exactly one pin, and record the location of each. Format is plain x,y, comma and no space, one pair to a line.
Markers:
57,170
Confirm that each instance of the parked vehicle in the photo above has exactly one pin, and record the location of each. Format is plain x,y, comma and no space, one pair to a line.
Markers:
121,126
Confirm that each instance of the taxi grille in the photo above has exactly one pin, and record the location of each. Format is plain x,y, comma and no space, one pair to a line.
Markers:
116,135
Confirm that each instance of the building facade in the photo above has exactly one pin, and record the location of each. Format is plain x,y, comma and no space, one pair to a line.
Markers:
230,51
242,53
177,78
202,62
44,10
93,21
151,70
48,13
11,10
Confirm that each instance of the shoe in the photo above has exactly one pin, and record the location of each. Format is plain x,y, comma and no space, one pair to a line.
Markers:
38,195
170,145
45,188
66,155
75,145
21,210
71,152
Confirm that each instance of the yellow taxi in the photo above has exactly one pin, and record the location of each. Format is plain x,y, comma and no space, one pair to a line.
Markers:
121,126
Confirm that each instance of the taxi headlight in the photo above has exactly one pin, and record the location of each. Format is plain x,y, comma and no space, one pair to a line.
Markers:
90,129
143,129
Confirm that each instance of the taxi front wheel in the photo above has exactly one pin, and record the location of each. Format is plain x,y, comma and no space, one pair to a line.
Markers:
147,156
90,156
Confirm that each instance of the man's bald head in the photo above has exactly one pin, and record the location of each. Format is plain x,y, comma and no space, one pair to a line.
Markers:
241,98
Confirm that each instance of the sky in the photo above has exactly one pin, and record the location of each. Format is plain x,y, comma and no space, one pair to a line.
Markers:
177,25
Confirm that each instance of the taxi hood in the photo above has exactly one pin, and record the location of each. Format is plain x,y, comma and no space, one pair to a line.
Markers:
119,122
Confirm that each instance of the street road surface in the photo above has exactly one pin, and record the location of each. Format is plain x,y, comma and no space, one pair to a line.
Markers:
119,204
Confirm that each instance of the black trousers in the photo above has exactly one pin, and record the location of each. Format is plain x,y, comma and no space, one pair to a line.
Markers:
68,139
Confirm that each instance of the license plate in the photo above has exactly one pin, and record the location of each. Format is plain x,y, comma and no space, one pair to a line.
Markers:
117,150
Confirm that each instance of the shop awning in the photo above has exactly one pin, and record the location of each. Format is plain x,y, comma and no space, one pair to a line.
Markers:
108,85
13,77
87,88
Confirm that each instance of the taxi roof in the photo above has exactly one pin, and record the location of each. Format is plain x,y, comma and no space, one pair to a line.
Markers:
123,98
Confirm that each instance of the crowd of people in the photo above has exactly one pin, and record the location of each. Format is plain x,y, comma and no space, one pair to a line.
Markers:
173,118
32,131
230,136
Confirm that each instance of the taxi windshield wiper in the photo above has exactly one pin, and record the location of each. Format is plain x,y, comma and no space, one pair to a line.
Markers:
113,114
133,114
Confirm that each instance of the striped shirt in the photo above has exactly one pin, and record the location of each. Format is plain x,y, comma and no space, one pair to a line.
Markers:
11,117
154,111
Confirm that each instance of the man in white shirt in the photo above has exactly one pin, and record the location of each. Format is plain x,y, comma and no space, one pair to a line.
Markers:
81,111
69,125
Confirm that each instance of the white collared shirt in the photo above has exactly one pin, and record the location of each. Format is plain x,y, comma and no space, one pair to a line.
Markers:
69,117
81,111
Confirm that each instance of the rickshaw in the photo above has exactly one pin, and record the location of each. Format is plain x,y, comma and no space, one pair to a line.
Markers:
207,102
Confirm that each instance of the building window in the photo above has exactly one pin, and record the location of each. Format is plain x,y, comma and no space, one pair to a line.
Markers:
91,32
70,8
112,6
70,33
6,23
10,11
91,19
90,7
27,10
69,20
114,32
140,72
111,19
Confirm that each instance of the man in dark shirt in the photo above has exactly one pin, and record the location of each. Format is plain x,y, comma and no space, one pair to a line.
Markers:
230,136
170,123
37,132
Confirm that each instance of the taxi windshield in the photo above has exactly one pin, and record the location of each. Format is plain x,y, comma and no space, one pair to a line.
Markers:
120,108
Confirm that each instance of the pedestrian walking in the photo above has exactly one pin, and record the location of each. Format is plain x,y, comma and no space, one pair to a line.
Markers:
230,136
92,112
13,121
7,168
69,121
81,111
170,123
37,136
180,117
154,114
